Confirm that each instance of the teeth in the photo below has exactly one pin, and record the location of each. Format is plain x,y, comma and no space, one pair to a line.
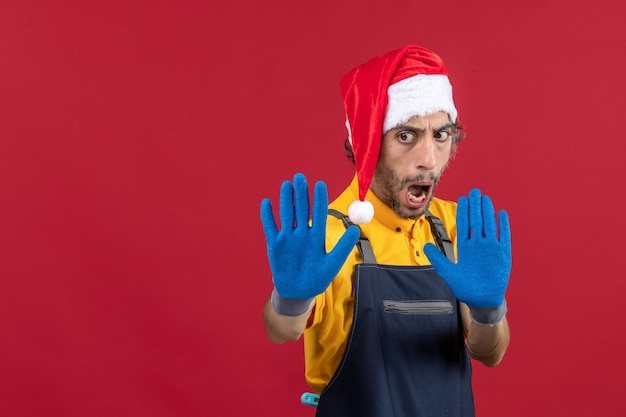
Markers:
417,198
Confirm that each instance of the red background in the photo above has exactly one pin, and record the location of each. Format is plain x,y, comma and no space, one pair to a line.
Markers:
139,137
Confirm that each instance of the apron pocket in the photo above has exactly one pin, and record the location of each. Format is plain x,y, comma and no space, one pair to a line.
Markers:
419,307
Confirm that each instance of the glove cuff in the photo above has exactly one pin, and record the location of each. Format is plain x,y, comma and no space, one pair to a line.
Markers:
488,316
289,306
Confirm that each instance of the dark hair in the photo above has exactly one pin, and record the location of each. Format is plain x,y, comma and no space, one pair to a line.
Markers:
349,152
458,134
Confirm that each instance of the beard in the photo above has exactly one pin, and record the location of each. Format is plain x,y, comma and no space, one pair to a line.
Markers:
389,185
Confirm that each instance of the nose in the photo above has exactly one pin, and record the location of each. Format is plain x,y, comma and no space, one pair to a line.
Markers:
426,153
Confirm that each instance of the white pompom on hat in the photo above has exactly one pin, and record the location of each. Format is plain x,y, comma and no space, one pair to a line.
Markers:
383,93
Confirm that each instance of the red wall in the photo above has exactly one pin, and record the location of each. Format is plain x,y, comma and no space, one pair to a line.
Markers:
137,139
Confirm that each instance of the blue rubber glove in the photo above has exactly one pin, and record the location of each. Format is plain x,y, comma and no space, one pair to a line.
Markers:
300,266
481,275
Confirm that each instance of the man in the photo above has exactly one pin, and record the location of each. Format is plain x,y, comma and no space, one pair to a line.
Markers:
395,289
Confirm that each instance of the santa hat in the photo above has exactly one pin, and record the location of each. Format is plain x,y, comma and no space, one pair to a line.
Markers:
383,93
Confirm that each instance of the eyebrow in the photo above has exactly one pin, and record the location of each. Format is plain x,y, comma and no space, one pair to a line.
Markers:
420,130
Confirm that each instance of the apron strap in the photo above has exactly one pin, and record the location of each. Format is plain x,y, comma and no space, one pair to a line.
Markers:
363,245
441,237
436,227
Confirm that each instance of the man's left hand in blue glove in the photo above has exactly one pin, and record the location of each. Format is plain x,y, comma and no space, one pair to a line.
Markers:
481,275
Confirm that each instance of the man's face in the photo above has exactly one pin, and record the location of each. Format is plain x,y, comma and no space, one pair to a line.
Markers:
412,158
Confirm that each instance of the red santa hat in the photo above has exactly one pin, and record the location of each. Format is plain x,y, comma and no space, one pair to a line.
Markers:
383,93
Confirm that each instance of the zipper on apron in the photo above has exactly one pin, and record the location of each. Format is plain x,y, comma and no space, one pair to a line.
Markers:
418,307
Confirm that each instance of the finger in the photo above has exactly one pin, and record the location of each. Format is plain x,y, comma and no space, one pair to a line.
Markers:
302,200
437,259
475,213
489,218
286,206
462,220
504,228
344,246
320,207
267,218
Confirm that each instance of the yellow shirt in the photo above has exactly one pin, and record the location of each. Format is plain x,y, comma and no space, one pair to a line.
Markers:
395,241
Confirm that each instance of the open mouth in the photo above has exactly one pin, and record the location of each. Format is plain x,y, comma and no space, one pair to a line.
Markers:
418,193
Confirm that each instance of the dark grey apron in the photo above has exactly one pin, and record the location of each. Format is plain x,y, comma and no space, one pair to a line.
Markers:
405,354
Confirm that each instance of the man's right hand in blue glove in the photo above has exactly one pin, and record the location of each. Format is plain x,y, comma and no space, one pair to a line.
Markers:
301,267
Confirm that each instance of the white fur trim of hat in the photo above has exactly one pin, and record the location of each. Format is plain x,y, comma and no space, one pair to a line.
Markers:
419,95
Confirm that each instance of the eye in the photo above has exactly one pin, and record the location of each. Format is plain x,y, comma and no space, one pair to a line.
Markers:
405,136
443,135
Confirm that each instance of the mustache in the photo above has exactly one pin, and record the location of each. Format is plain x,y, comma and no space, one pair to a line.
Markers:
420,177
